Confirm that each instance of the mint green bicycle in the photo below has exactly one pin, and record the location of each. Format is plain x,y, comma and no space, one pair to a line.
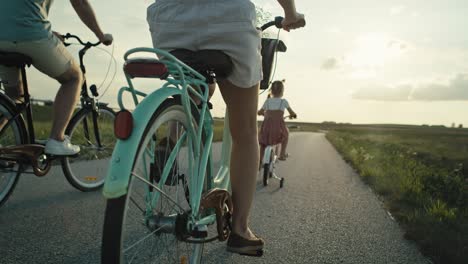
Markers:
163,195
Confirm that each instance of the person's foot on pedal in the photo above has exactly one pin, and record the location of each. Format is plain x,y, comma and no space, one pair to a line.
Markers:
41,141
245,246
61,148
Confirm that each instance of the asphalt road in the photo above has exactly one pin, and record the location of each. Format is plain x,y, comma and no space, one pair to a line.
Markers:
324,214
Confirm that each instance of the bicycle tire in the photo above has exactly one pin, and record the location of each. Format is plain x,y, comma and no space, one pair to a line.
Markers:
119,229
267,169
87,171
14,134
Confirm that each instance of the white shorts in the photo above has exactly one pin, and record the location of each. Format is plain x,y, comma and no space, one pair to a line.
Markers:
48,55
224,25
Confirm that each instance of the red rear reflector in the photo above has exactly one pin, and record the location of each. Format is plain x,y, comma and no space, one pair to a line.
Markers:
145,68
123,124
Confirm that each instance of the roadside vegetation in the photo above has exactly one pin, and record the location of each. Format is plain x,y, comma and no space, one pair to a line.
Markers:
422,174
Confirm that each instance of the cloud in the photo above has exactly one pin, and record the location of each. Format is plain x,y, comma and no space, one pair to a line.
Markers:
385,93
333,30
330,64
397,10
368,56
455,90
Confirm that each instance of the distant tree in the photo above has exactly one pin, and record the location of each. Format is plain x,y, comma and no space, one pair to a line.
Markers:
453,125
263,17
460,126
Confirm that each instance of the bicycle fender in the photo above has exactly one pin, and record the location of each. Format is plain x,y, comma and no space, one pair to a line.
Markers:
123,156
266,155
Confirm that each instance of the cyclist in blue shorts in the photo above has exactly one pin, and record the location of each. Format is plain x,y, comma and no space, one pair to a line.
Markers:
27,30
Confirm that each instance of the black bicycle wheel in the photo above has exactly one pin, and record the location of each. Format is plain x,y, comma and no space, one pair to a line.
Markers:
266,169
136,231
11,134
94,133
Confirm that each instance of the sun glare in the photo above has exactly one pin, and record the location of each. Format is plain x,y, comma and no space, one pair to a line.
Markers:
371,52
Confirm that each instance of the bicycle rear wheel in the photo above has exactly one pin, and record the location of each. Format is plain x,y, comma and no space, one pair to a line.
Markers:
94,133
267,168
137,230
11,134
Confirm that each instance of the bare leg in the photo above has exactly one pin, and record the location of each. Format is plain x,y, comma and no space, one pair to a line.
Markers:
262,152
284,145
14,84
13,89
242,110
65,101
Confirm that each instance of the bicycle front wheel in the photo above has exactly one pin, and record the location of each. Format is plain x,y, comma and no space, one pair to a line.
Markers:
93,131
149,223
11,134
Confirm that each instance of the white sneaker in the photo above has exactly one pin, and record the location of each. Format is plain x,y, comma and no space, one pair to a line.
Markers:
61,148
41,141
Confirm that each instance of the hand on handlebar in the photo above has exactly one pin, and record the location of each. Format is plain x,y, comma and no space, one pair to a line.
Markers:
293,116
106,39
293,21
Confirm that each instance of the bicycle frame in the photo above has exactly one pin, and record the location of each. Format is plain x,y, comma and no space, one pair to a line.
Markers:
23,107
117,180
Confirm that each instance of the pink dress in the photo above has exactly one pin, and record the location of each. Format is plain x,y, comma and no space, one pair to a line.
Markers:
273,130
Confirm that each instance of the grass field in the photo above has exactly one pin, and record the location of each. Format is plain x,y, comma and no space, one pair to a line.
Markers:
420,172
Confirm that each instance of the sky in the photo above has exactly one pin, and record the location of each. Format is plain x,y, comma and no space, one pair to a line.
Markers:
360,61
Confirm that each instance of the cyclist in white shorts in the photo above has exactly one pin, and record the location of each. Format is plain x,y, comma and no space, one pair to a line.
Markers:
27,30
228,26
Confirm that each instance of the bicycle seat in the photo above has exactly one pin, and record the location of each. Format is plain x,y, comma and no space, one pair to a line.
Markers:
13,59
205,61
145,68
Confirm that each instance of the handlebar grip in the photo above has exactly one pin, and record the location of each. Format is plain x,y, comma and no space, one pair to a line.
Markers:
279,21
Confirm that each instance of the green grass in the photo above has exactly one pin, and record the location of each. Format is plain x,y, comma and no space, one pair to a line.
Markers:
422,173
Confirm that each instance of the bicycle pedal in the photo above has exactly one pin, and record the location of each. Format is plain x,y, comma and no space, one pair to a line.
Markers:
254,253
5,164
52,157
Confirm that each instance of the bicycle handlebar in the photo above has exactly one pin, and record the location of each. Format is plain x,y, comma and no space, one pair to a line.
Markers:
87,44
277,23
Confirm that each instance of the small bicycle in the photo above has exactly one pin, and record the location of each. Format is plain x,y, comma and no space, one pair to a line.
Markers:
20,150
162,192
269,162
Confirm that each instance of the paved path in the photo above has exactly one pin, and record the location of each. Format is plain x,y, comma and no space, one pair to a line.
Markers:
324,214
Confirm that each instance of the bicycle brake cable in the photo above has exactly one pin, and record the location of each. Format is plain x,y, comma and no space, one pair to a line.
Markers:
112,59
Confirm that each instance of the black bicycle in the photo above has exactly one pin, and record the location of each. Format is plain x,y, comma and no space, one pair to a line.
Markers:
90,128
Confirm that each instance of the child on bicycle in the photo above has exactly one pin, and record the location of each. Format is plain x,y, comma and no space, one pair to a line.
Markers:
273,130
228,26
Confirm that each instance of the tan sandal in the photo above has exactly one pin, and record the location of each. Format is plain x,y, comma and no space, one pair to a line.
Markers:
283,158
244,246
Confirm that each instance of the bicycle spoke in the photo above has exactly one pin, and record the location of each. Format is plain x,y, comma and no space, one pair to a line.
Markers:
135,203
142,239
159,190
